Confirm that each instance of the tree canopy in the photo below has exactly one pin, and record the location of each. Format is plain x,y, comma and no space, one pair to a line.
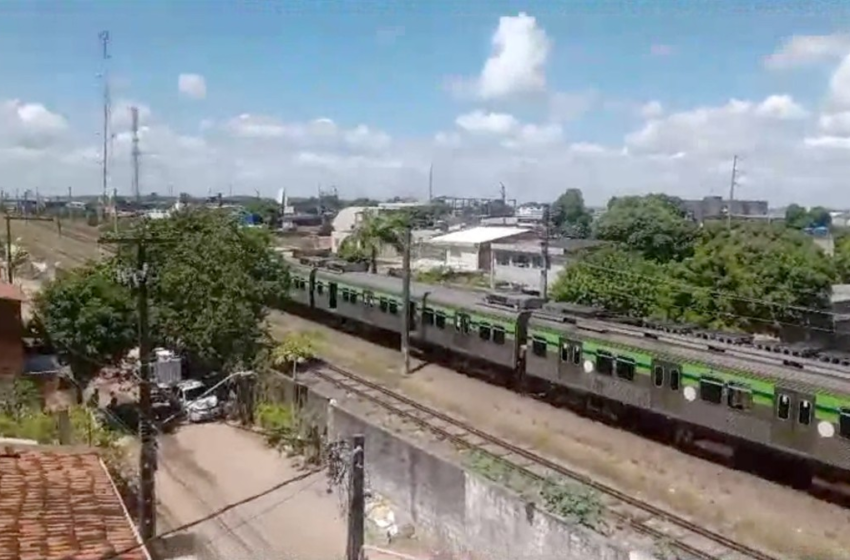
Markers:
375,231
797,217
570,216
654,226
210,283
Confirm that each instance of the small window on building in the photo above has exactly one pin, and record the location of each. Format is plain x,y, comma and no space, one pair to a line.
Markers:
783,407
711,390
675,379
393,306
383,304
844,423
658,376
538,346
625,368
484,332
604,363
566,351
498,335
739,397
440,320
804,414
428,316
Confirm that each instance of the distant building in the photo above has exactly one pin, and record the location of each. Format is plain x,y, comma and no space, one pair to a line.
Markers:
521,263
715,207
470,250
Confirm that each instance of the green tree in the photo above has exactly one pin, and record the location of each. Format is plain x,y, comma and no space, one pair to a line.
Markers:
88,318
797,217
654,226
375,231
570,216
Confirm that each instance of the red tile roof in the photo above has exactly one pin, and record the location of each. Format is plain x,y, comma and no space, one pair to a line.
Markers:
10,291
61,505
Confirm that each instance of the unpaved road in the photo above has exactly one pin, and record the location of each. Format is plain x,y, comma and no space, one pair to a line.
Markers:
205,467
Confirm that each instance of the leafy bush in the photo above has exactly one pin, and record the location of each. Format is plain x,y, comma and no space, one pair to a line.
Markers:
278,422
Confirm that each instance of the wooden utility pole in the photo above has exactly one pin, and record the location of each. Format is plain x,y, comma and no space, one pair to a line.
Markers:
406,314
357,500
9,273
544,249
147,462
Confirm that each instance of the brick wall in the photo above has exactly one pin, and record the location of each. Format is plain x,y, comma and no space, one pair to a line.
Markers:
11,339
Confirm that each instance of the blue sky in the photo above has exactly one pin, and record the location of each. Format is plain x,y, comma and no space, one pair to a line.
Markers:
388,66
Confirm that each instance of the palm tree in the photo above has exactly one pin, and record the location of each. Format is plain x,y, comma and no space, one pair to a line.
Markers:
372,235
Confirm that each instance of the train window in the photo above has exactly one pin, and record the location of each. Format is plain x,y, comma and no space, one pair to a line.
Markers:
675,379
393,306
844,423
538,346
576,354
383,304
369,299
320,288
485,332
566,351
440,320
739,397
658,376
353,297
711,390
428,316
464,323
804,413
604,363
498,335
783,407
346,295
625,369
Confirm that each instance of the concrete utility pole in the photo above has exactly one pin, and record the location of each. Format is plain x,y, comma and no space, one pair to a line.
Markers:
134,113
544,249
10,275
406,318
732,184
104,41
357,500
431,183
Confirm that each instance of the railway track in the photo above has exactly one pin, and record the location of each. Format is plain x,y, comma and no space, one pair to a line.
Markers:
677,533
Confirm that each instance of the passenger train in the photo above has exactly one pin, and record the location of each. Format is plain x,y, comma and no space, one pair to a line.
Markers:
700,383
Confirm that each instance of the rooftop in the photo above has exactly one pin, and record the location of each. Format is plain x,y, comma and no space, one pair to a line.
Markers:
477,235
11,292
61,504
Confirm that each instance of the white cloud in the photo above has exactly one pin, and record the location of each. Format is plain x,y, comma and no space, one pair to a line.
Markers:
839,86
780,107
193,86
801,50
651,110
517,63
566,106
491,123
121,116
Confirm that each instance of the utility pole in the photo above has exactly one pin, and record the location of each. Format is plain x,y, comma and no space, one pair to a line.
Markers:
134,113
544,248
732,184
115,210
357,500
406,318
104,40
431,183
10,275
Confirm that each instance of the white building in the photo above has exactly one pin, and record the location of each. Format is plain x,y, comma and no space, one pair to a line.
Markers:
469,250
344,224
521,263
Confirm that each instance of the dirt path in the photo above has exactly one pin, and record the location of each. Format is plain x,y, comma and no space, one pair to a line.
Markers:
737,504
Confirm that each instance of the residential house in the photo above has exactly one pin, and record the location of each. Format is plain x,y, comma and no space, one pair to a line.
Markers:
62,503
344,224
521,263
470,250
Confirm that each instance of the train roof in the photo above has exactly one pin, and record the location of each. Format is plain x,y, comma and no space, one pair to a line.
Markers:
606,333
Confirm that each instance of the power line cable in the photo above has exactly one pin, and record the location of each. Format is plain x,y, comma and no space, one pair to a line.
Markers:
214,514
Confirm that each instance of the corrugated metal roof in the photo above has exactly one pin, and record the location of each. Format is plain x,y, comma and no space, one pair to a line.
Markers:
477,235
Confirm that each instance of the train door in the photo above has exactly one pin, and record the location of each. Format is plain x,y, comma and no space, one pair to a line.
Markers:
666,383
793,419
332,294
570,361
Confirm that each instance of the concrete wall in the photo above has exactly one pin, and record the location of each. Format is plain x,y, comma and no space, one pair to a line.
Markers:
462,511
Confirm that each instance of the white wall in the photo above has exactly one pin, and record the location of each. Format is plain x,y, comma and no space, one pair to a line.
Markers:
528,277
462,258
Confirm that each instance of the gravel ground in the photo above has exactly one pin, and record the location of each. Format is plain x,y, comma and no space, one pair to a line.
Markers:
737,504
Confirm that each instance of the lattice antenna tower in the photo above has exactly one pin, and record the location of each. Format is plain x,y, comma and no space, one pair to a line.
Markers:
107,111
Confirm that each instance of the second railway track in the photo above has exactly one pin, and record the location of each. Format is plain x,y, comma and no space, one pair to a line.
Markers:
688,538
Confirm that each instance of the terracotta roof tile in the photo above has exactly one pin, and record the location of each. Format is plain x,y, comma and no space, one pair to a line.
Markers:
61,505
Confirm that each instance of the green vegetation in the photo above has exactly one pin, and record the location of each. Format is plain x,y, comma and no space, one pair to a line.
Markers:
447,276
755,277
210,284
374,233
570,216
571,501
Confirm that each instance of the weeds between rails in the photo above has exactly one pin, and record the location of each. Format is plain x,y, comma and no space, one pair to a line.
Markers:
705,444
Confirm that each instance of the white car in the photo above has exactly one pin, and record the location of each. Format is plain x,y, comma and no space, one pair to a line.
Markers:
199,406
